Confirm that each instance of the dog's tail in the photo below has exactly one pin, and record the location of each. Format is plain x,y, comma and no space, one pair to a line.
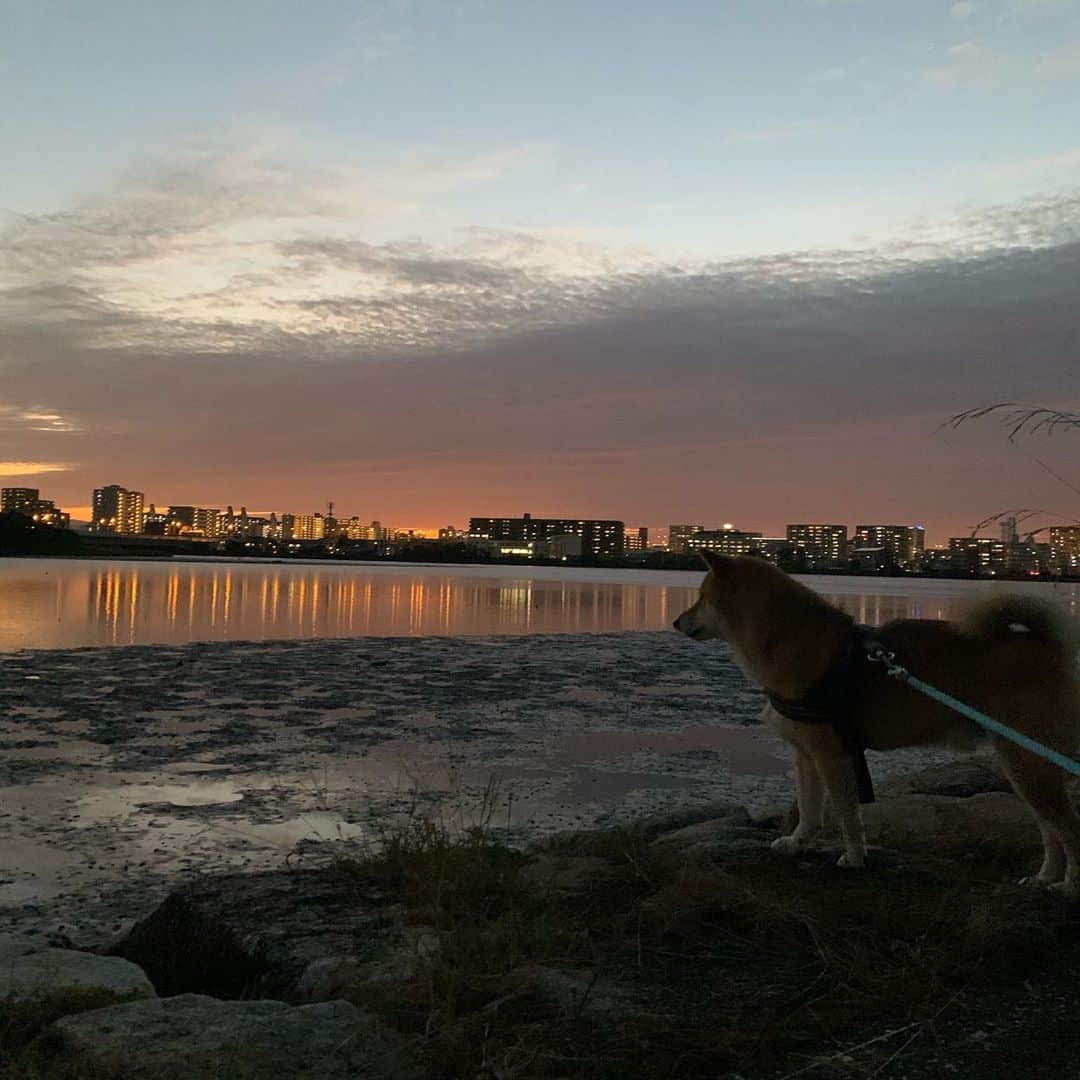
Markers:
1015,613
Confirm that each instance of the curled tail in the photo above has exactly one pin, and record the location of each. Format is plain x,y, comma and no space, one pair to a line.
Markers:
1014,613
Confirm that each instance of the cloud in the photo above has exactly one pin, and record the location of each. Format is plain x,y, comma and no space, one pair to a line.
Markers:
259,346
12,469
971,63
1060,63
968,63
963,10
34,418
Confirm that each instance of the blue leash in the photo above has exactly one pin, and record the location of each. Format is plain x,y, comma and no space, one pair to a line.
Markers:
877,653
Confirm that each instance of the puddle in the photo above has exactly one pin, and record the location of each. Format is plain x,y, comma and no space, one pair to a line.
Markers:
120,802
319,826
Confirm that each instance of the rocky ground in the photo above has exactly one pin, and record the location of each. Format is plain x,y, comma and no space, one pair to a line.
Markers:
213,812
675,947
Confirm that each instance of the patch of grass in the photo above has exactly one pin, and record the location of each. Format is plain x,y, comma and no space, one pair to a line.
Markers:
23,1056
756,966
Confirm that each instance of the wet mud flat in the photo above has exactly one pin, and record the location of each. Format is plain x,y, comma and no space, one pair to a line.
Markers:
124,771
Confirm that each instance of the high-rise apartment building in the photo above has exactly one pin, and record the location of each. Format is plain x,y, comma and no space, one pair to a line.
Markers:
681,538
117,510
978,554
826,542
352,528
28,502
195,520
242,525
309,527
727,541
1065,548
901,544
18,500
598,537
636,541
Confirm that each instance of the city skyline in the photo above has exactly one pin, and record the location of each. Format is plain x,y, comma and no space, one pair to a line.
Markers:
122,519
443,259
853,532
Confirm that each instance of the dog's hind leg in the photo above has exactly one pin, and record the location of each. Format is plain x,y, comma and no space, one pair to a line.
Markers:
811,793
838,772
1042,785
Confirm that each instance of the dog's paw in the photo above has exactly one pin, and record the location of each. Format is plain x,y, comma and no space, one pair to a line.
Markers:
786,845
1068,890
848,861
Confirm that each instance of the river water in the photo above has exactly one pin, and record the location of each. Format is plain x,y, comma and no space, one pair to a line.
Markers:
56,603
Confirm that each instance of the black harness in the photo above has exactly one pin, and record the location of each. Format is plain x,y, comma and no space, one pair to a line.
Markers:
831,700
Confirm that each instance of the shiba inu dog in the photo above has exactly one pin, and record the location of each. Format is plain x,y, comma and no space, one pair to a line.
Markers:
1012,657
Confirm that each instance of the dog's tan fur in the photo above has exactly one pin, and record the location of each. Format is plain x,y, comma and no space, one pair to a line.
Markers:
1012,657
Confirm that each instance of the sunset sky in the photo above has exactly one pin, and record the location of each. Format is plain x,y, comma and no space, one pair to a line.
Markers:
699,261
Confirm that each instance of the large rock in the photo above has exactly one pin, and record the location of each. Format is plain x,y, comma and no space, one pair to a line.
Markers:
989,820
255,935
669,820
192,1037
336,976
14,945
731,833
960,779
992,820
27,972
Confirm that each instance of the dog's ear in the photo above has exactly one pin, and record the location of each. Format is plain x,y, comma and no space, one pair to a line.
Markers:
721,565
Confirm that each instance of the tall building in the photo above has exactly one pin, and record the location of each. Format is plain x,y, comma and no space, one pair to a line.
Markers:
978,554
1065,548
727,541
901,544
353,528
28,502
195,520
18,500
598,537
241,526
680,538
309,527
827,542
205,519
636,541
117,510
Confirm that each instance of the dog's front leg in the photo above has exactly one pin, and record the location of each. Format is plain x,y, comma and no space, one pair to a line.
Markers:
811,796
838,772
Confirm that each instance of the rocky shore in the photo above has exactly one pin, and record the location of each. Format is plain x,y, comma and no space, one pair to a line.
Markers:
677,945
245,838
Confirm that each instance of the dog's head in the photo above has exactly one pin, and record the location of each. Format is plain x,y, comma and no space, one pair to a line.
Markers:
782,634
710,616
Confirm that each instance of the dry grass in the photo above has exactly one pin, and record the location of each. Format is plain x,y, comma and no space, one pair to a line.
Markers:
757,967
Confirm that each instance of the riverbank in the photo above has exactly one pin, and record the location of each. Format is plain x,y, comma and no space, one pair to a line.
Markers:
125,771
675,946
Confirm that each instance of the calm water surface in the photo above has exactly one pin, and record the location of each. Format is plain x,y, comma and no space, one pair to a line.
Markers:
55,603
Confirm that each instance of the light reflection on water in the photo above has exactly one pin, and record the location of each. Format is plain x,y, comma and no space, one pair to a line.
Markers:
62,604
